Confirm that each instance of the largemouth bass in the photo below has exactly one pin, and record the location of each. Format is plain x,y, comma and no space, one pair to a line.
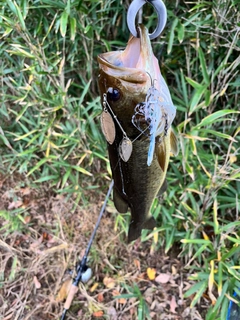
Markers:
136,122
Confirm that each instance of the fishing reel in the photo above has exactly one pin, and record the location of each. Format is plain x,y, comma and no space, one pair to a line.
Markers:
86,271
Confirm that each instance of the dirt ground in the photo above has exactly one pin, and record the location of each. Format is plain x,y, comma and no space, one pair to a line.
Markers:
41,241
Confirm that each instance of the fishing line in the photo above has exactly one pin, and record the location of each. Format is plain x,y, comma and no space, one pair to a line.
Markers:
82,267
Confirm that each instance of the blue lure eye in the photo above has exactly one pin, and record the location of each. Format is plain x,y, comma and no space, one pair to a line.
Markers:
113,94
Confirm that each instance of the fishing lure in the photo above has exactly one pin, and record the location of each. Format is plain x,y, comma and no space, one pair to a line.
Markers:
158,112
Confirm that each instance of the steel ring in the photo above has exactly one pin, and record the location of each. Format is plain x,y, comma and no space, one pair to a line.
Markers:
161,10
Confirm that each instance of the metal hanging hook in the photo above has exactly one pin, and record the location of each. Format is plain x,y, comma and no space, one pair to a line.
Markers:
161,10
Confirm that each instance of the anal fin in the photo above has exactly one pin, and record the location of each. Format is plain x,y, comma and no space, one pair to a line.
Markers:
135,229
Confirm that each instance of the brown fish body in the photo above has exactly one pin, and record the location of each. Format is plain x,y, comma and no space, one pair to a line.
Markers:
135,183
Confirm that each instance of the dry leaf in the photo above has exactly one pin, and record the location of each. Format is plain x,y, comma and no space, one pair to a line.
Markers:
25,191
100,297
163,278
109,282
94,287
27,219
15,204
115,293
120,300
112,313
36,243
36,282
174,271
151,272
98,313
137,264
173,305
232,158
63,292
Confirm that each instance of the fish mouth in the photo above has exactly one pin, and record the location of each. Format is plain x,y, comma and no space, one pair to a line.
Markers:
136,64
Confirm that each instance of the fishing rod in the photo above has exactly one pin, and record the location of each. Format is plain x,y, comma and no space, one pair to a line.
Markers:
83,271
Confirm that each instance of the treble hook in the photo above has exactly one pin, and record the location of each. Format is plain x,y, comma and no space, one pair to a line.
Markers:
161,10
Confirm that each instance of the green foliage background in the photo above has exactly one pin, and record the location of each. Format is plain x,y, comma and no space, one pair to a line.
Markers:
49,118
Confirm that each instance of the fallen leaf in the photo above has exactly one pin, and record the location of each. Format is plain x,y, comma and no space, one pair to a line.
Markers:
137,264
27,219
163,278
151,272
36,282
173,305
98,313
109,282
174,271
25,191
112,313
232,158
36,243
116,293
63,292
100,297
46,236
122,300
94,287
15,204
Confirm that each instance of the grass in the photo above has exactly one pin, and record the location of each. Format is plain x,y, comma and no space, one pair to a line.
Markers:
50,133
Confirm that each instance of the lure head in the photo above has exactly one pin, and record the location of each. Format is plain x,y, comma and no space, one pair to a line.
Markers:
126,77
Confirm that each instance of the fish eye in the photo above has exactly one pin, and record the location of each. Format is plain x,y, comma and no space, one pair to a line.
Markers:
113,94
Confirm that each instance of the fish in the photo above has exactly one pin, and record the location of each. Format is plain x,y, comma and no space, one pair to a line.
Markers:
136,122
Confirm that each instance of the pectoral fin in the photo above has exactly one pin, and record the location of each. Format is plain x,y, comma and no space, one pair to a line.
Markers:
173,143
120,204
160,149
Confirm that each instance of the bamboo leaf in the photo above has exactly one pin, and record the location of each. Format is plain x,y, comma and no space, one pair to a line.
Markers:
204,67
214,116
63,23
180,31
171,37
197,95
72,28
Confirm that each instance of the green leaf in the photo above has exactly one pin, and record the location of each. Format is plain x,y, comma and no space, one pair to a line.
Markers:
180,31
72,28
214,116
12,6
204,67
199,294
196,287
194,84
197,95
63,23
20,17
207,97
184,89
171,37
216,133
196,241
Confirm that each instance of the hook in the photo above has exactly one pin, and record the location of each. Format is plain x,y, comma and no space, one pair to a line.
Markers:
161,10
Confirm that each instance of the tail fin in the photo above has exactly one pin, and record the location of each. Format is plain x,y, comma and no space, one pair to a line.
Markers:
135,228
